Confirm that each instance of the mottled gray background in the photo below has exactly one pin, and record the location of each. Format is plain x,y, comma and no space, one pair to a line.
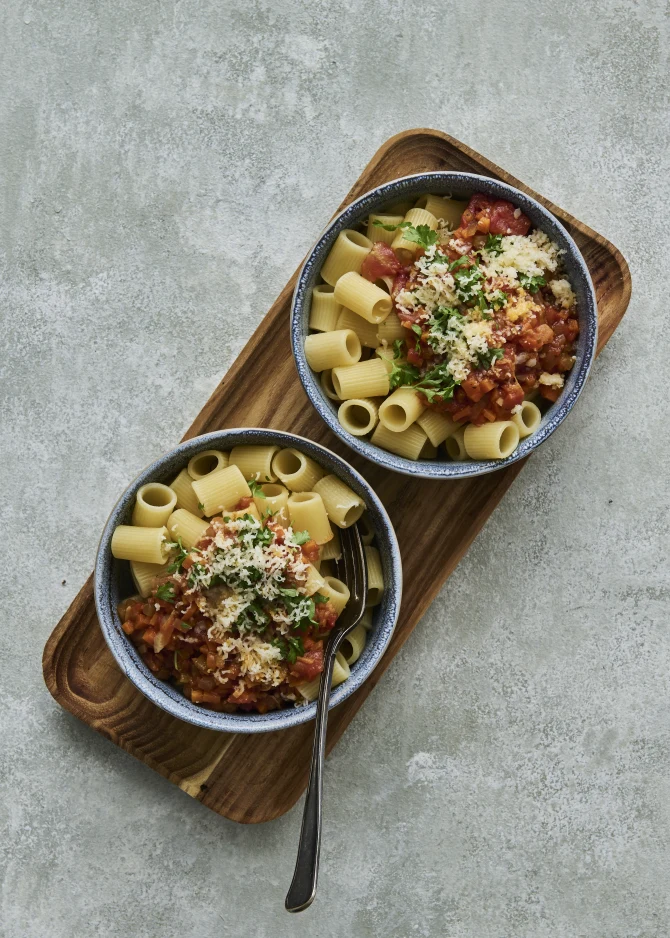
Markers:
165,166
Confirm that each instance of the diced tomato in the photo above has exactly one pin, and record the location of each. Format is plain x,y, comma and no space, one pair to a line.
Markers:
307,666
326,616
414,357
477,384
380,262
310,551
243,503
506,221
549,394
400,282
535,338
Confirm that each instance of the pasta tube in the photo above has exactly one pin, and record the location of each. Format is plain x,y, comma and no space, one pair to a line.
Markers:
308,513
365,528
148,545
221,490
353,644
324,310
455,446
310,689
407,250
359,415
325,350
327,385
407,443
298,472
182,486
449,210
332,550
336,592
313,581
254,462
274,503
366,331
145,575
365,379
347,254
527,419
187,527
437,426
154,504
496,440
377,233
210,460
343,505
401,409
375,576
364,298
390,330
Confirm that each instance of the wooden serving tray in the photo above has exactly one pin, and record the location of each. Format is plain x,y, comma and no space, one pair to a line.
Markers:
258,778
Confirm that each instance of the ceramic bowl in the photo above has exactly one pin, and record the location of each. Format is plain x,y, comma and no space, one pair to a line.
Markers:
113,583
461,186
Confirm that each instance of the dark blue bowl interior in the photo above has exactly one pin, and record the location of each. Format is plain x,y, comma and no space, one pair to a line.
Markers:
113,583
460,186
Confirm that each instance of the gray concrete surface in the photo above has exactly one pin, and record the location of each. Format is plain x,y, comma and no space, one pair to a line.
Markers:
164,168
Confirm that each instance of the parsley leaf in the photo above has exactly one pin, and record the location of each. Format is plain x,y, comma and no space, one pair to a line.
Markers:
166,592
487,358
493,245
301,537
468,282
201,507
421,235
458,263
182,554
289,648
532,284
380,224
402,374
256,490
437,383
320,598
497,299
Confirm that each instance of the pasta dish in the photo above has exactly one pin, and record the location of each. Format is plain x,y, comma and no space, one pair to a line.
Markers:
235,566
443,323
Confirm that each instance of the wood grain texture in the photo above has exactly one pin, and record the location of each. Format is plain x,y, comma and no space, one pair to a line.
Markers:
257,778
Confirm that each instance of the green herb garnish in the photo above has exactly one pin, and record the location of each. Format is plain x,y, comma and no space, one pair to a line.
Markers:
289,648
256,490
493,245
532,284
166,592
301,537
487,358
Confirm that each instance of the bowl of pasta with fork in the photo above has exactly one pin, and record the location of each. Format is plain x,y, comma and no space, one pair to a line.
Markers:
444,325
219,578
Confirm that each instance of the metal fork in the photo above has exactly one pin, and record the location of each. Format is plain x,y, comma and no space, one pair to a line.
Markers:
303,886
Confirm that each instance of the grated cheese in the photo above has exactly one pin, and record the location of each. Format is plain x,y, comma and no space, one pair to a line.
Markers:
563,293
551,381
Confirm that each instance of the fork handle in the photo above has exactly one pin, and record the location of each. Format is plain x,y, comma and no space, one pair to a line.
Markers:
303,885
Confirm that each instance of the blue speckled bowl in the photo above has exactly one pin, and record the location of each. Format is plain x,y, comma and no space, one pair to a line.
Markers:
113,583
460,185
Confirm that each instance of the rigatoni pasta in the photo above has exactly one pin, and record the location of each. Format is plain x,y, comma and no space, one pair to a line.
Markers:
232,607
154,504
210,460
347,255
470,313
324,311
325,350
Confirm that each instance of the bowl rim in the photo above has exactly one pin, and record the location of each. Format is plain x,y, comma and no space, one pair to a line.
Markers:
441,469
155,689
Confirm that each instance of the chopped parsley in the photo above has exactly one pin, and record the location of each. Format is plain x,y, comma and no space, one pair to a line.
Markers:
486,359
493,245
532,284
402,373
256,490
290,648
166,592
468,282
421,235
182,554
201,507
301,537
497,299
438,383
